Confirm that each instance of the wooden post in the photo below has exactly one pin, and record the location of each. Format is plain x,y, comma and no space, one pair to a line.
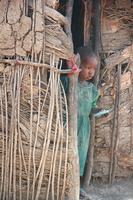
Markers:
43,71
115,139
96,26
89,166
118,123
96,36
112,139
69,9
72,113
87,21
72,121
131,119
131,105
96,40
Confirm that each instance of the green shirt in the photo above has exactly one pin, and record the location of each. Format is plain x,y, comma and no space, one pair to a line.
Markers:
87,97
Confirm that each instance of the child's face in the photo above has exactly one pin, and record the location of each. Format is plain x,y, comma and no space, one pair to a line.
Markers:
88,69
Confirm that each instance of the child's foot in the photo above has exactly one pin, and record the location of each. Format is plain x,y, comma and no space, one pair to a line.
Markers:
83,195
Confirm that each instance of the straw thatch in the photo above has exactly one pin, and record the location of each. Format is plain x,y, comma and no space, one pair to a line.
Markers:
36,161
34,136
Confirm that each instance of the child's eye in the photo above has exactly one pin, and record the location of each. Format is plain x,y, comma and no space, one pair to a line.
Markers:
91,68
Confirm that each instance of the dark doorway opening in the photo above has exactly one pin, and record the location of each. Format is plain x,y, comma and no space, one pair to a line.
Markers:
78,23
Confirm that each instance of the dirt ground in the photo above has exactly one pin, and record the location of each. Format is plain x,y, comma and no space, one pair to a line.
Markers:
121,190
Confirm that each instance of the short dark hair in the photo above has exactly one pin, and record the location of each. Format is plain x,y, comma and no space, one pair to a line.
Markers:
85,52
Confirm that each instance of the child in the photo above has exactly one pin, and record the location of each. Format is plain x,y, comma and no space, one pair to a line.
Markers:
87,97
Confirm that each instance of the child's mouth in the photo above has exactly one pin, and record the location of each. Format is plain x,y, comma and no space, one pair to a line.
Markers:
89,77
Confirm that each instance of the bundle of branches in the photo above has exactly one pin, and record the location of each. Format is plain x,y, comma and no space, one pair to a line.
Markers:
123,16
34,146
34,136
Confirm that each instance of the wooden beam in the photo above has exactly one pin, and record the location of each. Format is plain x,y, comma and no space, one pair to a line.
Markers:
113,138
131,120
118,124
72,122
87,21
19,62
89,165
96,26
69,10
96,41
96,37
72,111
118,57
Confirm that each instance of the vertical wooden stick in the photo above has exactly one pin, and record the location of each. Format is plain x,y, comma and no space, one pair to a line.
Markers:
87,21
35,142
95,80
19,147
131,118
11,136
66,153
96,37
89,166
69,9
3,144
96,28
43,71
118,123
72,123
26,7
112,139
15,134
31,127
72,114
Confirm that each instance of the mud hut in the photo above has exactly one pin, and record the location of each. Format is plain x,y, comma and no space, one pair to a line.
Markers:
113,154
106,26
38,150
37,153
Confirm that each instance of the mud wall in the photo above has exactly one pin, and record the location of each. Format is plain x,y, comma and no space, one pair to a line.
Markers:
24,33
113,156
35,146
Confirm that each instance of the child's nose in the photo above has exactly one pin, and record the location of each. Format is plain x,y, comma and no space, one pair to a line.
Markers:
91,71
